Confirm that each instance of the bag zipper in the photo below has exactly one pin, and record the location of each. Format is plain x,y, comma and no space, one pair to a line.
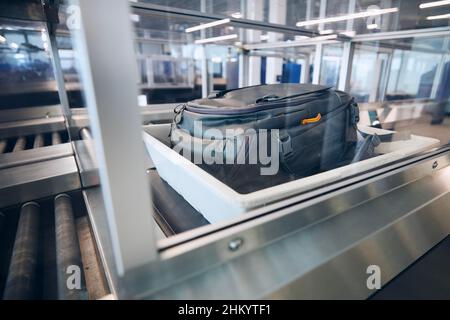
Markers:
282,102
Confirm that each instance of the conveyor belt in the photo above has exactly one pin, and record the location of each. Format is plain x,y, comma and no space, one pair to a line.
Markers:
173,213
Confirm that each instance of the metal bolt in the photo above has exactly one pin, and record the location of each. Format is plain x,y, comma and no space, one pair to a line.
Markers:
435,164
235,244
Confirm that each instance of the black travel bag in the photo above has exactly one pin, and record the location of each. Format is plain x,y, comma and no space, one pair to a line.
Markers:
315,130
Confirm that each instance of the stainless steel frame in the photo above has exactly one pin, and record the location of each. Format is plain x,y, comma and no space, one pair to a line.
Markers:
30,127
315,245
113,113
148,8
38,180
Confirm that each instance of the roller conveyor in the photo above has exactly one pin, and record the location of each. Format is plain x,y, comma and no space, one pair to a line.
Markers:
21,281
11,145
58,241
20,144
38,141
85,134
56,138
68,255
3,144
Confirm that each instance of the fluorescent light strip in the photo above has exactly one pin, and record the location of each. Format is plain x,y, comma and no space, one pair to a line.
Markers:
441,16
327,31
364,14
372,26
215,39
2,39
208,25
348,33
328,37
434,4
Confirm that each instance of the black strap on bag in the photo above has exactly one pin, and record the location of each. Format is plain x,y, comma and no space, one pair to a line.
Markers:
366,149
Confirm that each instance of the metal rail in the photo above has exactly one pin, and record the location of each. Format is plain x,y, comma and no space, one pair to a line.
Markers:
147,8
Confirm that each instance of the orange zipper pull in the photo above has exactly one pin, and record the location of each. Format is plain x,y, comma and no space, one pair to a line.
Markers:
312,120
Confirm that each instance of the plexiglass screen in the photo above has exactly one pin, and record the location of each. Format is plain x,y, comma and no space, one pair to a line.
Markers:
248,103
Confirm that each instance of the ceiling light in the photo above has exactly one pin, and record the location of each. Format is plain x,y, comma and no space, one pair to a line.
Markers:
208,25
135,18
236,15
215,39
350,34
372,26
264,37
300,37
326,31
434,4
2,39
364,14
328,37
441,16
14,45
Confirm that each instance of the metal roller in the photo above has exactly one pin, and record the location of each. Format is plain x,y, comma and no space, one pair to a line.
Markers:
68,255
22,278
3,144
38,141
20,144
56,138
85,134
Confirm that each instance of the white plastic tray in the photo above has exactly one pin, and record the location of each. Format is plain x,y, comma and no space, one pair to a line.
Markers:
217,202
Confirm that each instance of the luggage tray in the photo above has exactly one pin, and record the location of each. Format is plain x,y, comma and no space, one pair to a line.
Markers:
217,202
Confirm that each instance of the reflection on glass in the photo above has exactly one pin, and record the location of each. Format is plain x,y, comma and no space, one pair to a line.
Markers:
24,61
331,63
392,100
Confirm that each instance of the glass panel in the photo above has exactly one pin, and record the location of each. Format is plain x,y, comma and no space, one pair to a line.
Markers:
331,64
364,63
25,65
405,14
274,139
412,74
181,60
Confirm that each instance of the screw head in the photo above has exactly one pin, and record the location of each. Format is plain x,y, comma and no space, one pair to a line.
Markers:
435,164
235,244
